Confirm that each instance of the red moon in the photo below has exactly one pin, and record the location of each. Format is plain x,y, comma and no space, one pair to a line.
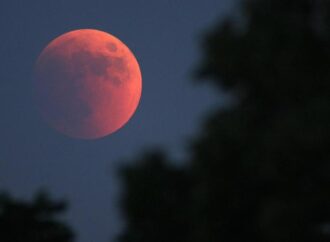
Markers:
88,83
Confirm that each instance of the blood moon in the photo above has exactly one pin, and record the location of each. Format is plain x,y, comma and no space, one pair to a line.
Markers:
88,83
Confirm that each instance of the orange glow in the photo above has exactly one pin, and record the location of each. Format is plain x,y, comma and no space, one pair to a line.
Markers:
88,83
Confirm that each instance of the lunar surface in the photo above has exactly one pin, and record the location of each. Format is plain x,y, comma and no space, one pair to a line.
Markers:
88,84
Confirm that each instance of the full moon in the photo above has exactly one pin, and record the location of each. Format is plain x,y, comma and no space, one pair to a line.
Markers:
88,84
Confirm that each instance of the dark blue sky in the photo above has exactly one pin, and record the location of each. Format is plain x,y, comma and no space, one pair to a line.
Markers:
164,37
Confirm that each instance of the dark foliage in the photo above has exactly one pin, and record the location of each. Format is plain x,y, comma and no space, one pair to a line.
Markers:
157,202
32,221
259,170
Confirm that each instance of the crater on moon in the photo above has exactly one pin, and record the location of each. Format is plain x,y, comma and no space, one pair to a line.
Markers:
112,47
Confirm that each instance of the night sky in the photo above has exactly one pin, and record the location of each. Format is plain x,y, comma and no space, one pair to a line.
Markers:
164,36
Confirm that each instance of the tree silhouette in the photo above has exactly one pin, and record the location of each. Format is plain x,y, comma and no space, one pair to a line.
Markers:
260,169
155,192
32,222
